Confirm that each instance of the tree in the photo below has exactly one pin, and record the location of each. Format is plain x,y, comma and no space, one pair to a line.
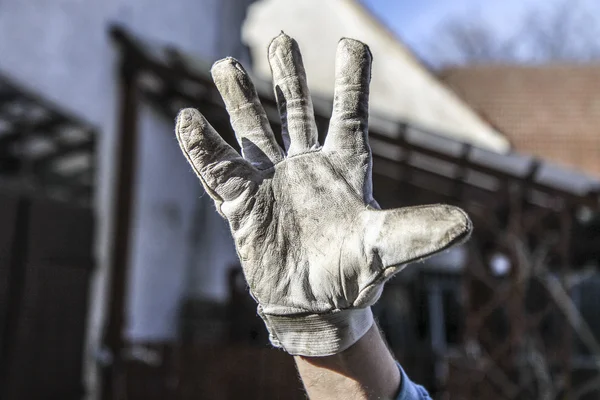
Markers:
568,31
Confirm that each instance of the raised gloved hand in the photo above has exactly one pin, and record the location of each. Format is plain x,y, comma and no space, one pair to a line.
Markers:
313,243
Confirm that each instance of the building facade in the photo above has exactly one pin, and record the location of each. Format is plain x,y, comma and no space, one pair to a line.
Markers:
62,51
402,87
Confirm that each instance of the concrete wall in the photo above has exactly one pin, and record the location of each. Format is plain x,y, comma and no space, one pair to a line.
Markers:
60,49
401,87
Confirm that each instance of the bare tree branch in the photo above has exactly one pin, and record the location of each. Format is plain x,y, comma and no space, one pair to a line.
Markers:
564,302
589,386
567,32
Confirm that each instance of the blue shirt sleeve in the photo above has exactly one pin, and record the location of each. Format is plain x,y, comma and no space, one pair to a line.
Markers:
410,390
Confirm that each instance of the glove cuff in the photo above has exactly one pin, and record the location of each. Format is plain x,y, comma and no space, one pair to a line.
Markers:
318,335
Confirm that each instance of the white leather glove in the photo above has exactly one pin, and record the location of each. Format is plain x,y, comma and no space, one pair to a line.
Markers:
313,243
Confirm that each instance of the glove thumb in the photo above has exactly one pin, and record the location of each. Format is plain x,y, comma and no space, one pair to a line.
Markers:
396,237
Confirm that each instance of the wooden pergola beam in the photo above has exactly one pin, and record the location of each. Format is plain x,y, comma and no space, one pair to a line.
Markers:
173,71
23,129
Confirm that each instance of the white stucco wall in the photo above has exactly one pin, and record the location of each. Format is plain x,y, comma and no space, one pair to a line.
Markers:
181,246
162,222
401,87
60,49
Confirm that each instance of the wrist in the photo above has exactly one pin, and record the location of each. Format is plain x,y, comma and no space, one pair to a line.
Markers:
318,335
365,370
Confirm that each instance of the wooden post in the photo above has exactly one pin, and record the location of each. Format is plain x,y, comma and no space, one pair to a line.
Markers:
123,205
16,286
566,225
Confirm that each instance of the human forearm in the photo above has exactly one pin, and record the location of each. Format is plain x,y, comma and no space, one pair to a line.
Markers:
366,370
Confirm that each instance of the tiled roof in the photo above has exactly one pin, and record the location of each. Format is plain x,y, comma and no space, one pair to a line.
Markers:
552,112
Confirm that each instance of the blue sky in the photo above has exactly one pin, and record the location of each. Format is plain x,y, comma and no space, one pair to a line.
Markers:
415,21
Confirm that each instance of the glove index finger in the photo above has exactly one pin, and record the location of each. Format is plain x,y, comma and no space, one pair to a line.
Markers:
348,128
223,172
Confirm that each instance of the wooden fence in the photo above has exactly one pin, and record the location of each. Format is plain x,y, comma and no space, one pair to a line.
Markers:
45,266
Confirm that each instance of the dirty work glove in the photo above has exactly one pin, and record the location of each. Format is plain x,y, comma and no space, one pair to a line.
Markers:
314,245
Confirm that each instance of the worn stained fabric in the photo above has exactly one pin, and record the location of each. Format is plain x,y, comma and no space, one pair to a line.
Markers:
313,243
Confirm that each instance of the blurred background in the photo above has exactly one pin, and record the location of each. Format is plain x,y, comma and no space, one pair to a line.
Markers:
118,280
